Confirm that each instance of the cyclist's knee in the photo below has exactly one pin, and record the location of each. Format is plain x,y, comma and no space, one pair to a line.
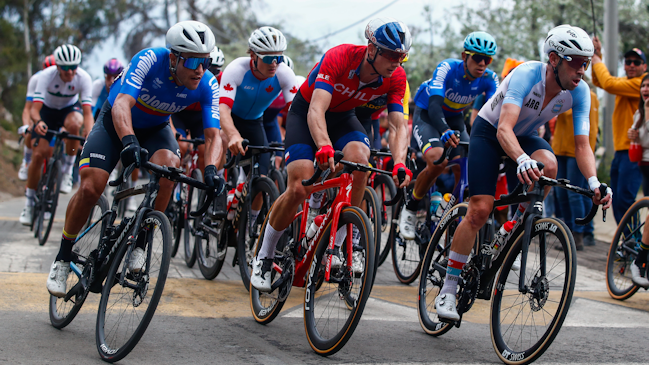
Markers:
357,152
165,157
433,155
479,209
90,188
73,122
549,160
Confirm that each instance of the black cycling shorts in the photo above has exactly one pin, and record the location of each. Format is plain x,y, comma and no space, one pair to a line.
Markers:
253,130
342,127
485,156
425,136
189,120
103,145
55,118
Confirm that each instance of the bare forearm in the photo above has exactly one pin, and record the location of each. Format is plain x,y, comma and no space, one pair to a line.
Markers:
213,147
585,160
35,112
509,143
227,124
122,120
26,117
398,137
318,128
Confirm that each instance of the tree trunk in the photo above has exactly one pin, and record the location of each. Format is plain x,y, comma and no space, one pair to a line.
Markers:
28,48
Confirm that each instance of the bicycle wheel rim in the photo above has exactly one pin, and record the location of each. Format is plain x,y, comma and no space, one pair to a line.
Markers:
328,320
125,313
50,203
192,204
523,326
385,190
406,256
211,250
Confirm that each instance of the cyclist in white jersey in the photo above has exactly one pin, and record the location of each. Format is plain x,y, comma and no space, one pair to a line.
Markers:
528,97
56,105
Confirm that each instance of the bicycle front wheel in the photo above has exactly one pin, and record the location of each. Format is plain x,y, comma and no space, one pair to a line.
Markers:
176,214
62,312
131,292
190,223
624,249
371,206
385,190
211,245
332,312
524,324
406,254
49,203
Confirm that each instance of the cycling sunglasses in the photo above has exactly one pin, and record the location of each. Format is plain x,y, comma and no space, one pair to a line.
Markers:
69,68
577,62
192,63
215,70
392,56
477,57
269,59
635,62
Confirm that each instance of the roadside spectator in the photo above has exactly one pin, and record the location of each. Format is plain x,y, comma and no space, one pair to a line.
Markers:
571,204
625,176
640,133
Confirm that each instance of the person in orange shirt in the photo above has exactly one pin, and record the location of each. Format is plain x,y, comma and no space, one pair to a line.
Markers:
625,176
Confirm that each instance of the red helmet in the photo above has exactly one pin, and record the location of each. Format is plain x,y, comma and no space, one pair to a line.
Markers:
49,61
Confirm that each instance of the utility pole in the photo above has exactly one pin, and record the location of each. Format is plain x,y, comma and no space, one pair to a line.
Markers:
177,11
611,61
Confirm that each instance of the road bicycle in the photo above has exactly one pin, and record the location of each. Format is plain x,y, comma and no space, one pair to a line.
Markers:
49,186
528,305
335,296
384,190
129,295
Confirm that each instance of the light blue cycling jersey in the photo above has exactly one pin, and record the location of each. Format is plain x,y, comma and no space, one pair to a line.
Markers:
449,81
525,87
148,80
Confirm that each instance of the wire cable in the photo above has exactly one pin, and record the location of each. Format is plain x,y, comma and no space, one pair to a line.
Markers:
355,23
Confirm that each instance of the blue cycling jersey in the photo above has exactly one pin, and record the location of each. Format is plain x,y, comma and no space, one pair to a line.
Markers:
449,81
148,80
103,95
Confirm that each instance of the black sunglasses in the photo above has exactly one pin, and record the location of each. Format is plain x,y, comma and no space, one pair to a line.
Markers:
635,62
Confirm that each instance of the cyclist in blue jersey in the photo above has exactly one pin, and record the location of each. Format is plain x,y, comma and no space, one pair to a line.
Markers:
439,107
157,83
527,98
101,87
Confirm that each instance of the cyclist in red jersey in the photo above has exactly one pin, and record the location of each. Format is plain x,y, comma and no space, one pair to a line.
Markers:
322,119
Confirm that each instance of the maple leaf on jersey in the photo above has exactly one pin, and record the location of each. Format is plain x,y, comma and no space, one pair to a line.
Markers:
293,90
269,88
228,87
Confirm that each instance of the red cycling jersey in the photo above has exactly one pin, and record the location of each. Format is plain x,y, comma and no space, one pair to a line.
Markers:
338,73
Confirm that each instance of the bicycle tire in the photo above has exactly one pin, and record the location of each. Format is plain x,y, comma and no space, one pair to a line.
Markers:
62,312
245,243
49,202
372,211
433,271
561,270
211,249
177,225
38,198
118,300
278,179
317,332
623,251
406,254
385,190
266,306
192,205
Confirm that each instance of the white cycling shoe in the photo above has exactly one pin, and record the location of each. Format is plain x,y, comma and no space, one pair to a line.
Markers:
66,184
26,216
407,224
22,173
57,281
445,306
637,278
516,266
138,260
260,278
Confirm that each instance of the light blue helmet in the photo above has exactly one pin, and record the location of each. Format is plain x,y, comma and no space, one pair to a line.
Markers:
389,34
481,42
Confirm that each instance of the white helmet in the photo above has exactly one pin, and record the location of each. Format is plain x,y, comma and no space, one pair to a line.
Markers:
218,58
288,61
568,41
67,55
190,36
267,39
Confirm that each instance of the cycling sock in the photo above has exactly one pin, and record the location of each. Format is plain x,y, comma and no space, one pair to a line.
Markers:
69,164
242,176
413,202
641,259
253,215
520,211
271,236
30,194
220,172
341,234
27,155
315,201
453,270
65,252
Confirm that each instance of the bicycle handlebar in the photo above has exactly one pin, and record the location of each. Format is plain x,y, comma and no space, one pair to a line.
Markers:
235,159
401,175
62,134
338,156
447,150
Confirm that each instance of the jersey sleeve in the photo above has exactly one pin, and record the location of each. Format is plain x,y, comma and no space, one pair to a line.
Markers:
397,91
329,69
210,101
287,82
406,101
86,88
521,83
581,109
437,85
142,65
231,78
491,85
96,91
31,87
44,78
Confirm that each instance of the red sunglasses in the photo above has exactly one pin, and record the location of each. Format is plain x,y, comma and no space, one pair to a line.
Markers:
392,56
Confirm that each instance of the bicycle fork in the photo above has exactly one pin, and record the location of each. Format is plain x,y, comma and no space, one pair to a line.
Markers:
536,207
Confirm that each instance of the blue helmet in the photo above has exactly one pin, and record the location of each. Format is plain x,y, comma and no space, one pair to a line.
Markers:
481,42
389,34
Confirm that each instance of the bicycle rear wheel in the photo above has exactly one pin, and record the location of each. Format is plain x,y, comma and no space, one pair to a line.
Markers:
192,205
62,312
433,271
127,302
211,245
332,312
385,190
373,211
49,203
523,325
624,249
176,214
278,179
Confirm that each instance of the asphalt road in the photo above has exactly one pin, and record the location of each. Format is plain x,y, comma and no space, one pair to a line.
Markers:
208,322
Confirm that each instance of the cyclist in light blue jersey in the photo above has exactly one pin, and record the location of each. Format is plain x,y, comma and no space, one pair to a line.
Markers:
157,83
439,107
528,97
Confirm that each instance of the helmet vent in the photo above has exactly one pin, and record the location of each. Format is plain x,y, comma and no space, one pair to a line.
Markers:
576,44
565,44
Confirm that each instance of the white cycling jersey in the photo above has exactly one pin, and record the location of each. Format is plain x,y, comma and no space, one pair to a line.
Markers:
525,87
97,87
31,86
56,94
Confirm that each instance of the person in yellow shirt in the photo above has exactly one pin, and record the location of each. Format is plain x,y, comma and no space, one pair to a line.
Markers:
625,176
573,205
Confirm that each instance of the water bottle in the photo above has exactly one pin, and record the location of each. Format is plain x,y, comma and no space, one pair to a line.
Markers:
435,201
313,228
500,237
